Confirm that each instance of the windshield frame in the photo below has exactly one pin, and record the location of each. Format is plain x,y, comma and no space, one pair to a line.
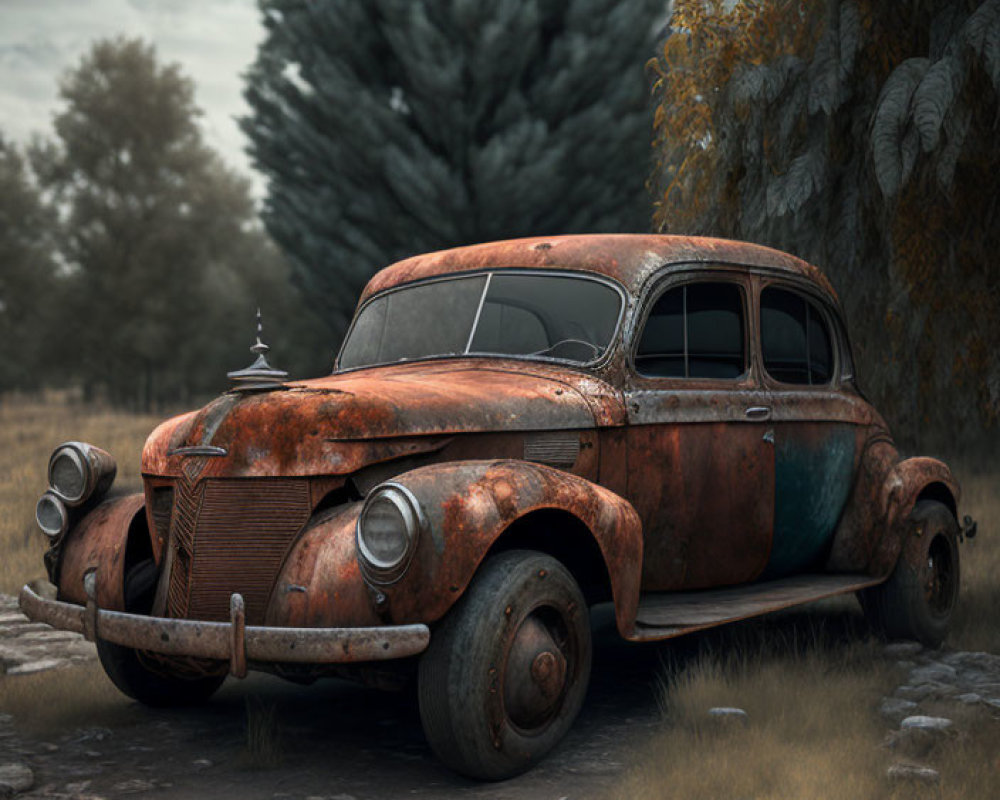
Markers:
594,363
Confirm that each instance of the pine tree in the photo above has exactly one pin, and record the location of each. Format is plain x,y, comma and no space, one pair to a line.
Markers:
863,137
393,127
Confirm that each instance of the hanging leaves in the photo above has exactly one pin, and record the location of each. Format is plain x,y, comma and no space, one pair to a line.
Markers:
862,136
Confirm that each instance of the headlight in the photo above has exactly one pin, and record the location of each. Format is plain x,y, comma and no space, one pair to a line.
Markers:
387,532
77,471
51,516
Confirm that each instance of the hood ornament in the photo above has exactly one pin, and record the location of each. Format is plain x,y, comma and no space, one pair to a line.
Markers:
259,375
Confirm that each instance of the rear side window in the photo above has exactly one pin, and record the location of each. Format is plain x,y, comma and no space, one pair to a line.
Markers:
694,331
794,339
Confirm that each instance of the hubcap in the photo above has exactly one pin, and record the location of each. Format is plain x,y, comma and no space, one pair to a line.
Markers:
536,670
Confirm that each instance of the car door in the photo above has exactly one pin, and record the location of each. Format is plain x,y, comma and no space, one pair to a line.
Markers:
701,473
817,426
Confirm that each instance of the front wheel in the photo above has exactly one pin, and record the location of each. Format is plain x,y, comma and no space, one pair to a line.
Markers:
139,676
918,599
507,670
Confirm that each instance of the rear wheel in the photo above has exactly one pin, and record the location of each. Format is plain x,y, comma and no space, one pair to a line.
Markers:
918,599
507,670
141,677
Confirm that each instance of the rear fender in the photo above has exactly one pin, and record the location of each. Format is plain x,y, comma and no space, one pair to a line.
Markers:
469,505
906,483
99,541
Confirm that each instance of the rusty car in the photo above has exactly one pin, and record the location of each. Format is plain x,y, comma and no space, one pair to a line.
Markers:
512,434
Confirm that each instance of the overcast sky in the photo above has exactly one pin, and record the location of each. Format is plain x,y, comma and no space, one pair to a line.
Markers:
213,40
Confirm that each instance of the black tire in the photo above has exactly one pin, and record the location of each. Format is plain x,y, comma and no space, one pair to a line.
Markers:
144,680
507,670
918,599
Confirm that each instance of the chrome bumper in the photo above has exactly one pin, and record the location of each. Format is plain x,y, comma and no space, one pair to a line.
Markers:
232,641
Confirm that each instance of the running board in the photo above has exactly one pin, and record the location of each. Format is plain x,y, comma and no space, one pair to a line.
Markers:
663,615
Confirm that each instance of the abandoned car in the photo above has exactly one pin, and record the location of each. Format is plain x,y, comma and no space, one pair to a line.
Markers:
513,433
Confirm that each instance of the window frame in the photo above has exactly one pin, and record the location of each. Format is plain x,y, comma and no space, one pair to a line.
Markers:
834,332
593,364
723,273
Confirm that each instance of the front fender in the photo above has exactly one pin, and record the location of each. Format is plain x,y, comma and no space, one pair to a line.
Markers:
98,541
468,506
320,583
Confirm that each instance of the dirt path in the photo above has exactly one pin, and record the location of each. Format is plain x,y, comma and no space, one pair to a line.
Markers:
334,740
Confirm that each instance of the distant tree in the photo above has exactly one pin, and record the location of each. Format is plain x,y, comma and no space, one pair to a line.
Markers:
393,127
160,238
28,290
862,136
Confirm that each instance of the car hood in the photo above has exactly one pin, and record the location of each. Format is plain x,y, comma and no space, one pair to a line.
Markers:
338,424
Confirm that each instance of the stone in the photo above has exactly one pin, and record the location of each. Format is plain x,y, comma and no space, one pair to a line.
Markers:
135,786
729,714
933,724
913,772
36,666
902,649
993,702
896,708
941,673
16,777
202,763
969,698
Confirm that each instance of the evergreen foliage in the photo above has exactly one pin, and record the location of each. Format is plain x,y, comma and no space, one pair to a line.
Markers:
393,127
862,136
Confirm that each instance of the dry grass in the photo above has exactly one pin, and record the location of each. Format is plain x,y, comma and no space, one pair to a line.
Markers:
813,732
30,427
264,748
977,625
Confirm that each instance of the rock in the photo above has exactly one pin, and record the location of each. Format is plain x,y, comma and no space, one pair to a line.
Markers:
932,724
919,735
15,778
941,673
902,649
134,786
915,693
36,666
727,714
969,698
913,772
994,702
78,788
202,763
896,708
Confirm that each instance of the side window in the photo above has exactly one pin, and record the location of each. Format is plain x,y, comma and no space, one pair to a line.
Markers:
694,331
794,339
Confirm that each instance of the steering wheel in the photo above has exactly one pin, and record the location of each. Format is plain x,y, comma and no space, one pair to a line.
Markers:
551,350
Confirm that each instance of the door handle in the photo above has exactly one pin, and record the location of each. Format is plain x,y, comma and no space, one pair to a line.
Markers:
758,412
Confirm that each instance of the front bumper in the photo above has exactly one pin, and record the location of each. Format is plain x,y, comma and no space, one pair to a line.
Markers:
232,641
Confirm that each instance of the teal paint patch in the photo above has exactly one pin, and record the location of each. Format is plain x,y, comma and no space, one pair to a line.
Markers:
813,473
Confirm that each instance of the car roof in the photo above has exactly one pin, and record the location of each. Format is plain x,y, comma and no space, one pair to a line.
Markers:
629,258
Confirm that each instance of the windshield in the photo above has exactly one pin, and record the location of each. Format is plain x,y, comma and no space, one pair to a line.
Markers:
571,318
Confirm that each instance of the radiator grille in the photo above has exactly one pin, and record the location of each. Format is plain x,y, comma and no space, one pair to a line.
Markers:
241,533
